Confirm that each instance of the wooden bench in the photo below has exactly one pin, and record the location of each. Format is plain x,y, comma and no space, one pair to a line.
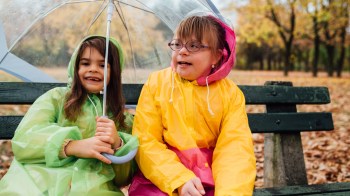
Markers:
284,166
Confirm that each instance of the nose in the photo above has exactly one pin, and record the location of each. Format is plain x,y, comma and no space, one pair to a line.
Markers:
93,67
183,50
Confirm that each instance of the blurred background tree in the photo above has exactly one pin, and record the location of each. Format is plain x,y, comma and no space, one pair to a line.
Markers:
288,35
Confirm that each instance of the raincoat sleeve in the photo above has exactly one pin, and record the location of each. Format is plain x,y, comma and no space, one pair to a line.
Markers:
158,164
234,167
39,138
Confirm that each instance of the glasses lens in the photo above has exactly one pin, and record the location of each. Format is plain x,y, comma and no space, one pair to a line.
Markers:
193,46
175,45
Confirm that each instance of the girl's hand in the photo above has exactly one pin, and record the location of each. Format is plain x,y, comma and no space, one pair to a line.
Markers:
106,127
90,148
192,187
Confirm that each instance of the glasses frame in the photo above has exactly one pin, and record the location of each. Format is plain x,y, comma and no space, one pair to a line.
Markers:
201,46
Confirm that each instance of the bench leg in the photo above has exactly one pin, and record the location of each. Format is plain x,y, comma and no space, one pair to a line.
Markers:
284,163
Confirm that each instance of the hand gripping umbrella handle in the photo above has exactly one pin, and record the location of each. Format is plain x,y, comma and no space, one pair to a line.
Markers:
121,159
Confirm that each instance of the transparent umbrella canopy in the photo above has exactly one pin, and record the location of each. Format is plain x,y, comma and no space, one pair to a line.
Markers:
37,37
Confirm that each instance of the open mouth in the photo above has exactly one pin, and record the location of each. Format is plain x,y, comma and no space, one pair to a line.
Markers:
93,79
184,63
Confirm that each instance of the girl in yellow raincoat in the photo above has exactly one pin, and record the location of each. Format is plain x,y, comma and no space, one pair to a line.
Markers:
191,119
58,144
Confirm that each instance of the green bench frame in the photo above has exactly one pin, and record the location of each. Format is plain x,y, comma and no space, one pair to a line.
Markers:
284,166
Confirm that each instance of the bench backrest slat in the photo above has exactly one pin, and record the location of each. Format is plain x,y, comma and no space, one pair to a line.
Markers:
26,93
259,123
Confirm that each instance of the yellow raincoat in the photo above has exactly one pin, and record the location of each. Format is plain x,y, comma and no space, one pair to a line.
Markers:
181,139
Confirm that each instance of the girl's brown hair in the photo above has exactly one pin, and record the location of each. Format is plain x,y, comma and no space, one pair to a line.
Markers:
115,100
203,28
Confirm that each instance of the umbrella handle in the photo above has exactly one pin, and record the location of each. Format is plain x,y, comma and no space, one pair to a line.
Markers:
121,159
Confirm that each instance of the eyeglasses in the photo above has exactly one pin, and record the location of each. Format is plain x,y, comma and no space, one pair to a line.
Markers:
191,46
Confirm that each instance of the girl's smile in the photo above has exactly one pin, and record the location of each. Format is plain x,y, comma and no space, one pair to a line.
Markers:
91,70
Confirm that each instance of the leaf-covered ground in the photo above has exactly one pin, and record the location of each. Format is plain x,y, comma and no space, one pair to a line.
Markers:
326,153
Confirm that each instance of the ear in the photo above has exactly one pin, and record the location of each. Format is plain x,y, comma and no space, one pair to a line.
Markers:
217,56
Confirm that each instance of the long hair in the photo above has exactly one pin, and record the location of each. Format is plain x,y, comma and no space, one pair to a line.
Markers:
78,95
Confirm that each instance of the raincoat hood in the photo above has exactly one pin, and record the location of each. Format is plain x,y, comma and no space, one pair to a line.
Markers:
229,57
72,61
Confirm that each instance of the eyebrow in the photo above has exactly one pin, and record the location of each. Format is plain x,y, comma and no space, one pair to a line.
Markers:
88,59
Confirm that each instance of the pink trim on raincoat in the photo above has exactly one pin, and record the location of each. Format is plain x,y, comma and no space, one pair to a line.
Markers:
224,69
197,160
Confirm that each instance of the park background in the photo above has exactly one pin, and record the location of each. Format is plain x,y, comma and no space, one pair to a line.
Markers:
303,41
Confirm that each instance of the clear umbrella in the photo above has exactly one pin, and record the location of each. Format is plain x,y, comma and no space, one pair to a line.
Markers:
43,33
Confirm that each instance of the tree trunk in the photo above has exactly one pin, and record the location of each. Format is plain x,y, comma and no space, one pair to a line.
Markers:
287,34
316,47
340,62
330,53
269,61
306,62
261,62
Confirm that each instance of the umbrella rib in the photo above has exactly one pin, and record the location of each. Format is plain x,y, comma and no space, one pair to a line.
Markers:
98,14
215,10
121,15
122,2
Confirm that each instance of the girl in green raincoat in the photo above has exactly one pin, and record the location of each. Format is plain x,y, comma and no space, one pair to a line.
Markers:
57,146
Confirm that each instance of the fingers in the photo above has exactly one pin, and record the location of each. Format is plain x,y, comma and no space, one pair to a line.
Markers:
106,139
103,119
103,148
103,130
198,185
192,187
102,158
106,126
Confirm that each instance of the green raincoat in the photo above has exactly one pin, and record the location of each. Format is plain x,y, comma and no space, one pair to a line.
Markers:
37,168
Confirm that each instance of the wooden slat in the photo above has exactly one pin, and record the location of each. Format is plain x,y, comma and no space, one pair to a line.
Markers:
259,123
8,125
26,93
336,189
23,92
290,122
285,94
131,93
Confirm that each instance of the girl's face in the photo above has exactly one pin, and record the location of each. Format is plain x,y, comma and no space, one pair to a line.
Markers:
192,65
91,69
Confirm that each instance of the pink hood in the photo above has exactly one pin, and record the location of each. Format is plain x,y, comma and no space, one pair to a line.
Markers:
224,69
